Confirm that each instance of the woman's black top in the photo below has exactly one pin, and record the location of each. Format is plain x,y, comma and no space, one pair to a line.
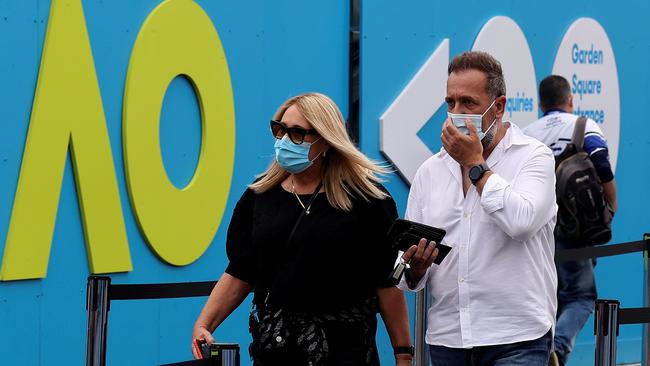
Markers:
336,259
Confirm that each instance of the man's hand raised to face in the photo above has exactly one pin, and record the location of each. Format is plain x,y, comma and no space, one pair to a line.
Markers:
466,150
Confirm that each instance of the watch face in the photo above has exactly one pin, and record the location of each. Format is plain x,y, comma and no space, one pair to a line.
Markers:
475,172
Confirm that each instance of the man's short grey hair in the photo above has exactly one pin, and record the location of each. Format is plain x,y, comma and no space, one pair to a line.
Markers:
484,62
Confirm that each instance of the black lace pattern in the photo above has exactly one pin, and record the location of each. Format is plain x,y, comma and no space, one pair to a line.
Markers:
274,330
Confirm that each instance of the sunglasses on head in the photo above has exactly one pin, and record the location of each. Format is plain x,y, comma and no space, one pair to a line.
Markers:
296,134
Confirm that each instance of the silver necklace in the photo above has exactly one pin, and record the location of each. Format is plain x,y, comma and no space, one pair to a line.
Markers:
293,189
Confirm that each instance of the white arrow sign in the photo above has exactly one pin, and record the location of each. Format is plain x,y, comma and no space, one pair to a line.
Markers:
411,110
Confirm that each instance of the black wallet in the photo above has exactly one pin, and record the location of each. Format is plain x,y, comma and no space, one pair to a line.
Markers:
404,233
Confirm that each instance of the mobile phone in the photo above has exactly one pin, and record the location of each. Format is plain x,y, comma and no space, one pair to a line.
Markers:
206,350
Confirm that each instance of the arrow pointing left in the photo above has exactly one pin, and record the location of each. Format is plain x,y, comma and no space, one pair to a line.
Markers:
411,110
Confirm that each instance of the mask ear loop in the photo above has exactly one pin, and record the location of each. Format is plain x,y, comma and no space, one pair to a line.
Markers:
493,122
488,108
320,153
485,133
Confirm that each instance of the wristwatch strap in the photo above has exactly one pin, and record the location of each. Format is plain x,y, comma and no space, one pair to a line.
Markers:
404,349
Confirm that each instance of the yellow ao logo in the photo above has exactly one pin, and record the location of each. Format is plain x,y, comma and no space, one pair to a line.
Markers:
177,38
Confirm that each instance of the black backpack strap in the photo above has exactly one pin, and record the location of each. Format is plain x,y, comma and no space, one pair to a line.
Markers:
578,138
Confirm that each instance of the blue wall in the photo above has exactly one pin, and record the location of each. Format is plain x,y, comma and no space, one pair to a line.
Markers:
273,50
398,37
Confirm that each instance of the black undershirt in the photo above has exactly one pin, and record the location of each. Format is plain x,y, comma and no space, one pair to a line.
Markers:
336,258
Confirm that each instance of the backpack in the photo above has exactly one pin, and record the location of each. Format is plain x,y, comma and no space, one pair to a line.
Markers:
584,218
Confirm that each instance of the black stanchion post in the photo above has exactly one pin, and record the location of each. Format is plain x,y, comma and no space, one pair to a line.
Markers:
421,351
97,305
606,331
646,300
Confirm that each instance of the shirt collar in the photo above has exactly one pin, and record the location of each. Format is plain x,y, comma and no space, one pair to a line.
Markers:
554,111
514,136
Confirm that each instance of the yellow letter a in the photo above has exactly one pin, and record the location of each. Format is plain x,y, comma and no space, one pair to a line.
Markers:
67,110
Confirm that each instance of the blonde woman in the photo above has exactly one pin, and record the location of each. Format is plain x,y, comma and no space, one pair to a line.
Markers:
308,237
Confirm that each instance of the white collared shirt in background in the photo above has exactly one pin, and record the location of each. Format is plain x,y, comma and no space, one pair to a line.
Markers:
555,130
498,283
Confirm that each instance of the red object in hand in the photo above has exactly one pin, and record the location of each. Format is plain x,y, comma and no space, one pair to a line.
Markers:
197,346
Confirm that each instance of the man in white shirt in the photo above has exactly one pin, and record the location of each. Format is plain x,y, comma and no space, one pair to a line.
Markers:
576,281
494,296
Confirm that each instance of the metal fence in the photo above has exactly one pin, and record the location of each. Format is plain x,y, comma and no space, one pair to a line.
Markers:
99,294
608,317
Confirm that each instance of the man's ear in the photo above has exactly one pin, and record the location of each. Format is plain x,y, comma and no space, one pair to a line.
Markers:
500,106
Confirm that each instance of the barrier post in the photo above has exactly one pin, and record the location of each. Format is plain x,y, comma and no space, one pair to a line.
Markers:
97,306
421,354
646,302
606,331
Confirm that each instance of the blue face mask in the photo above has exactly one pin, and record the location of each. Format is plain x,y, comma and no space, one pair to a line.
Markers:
292,157
460,121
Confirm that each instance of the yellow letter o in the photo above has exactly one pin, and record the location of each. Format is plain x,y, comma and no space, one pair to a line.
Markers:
178,38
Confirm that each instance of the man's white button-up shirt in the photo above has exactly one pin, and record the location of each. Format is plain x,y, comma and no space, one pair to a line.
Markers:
498,283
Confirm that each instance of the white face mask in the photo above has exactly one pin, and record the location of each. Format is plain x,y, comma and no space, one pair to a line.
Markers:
460,121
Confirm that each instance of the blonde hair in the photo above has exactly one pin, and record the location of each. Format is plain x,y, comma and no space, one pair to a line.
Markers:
345,170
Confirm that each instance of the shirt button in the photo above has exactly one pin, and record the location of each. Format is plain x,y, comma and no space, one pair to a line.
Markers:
465,215
461,279
278,339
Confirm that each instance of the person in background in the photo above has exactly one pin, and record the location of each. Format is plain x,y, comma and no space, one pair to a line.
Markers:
576,281
308,237
492,189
